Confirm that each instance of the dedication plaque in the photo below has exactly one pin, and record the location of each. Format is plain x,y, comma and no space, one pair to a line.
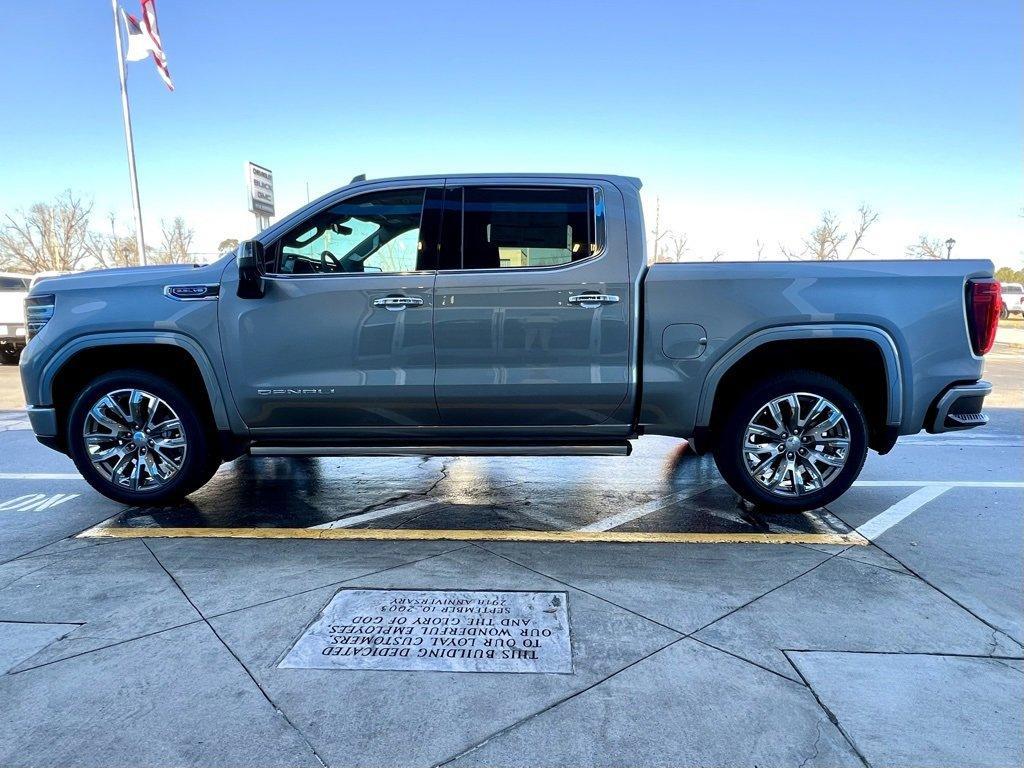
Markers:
438,631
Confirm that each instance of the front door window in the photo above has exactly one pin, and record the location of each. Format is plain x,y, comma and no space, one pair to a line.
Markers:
374,233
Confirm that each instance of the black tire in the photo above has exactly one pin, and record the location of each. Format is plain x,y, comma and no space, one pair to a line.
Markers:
730,436
200,459
1004,313
10,358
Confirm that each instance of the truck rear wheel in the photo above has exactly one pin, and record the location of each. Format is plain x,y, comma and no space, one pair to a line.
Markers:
794,443
138,439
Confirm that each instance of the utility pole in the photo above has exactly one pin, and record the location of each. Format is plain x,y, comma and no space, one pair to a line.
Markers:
140,241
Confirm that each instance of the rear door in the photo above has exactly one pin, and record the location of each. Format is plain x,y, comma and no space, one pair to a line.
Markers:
343,337
531,307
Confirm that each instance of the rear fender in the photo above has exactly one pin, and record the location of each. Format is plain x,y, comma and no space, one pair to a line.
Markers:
885,343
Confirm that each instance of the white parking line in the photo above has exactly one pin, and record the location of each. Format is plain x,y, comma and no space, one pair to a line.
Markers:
964,443
936,483
35,502
879,524
348,522
629,515
40,476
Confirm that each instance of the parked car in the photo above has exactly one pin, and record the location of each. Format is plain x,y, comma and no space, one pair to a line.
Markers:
500,315
1013,299
13,290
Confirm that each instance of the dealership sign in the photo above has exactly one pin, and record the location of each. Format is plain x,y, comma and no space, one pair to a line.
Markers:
260,181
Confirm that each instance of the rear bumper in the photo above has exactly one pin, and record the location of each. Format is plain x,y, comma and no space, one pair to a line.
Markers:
960,407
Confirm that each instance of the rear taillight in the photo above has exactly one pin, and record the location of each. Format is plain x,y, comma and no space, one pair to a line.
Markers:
984,301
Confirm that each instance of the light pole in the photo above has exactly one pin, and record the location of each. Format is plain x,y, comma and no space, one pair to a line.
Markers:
949,246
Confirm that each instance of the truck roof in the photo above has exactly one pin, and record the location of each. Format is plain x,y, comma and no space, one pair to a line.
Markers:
627,180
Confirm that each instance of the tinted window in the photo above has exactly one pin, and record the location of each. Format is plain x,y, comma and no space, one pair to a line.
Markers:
13,284
1014,289
508,227
375,233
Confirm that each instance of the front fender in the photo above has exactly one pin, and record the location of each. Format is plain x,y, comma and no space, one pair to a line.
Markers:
218,404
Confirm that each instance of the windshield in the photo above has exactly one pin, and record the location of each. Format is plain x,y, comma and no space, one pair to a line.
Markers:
13,284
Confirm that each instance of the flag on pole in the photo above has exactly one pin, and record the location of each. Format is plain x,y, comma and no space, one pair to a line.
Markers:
144,40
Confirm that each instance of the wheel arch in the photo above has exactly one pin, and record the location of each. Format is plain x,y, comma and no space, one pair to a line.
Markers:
167,354
866,349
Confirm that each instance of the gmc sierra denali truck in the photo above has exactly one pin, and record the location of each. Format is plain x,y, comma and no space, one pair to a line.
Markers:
499,315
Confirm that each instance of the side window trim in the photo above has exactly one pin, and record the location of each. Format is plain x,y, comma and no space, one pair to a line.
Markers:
276,247
595,223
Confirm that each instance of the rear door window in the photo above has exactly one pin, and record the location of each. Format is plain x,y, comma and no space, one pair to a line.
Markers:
516,227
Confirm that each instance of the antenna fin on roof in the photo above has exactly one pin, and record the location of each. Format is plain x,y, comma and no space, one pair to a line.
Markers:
360,177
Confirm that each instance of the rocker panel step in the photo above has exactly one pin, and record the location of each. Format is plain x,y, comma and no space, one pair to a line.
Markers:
600,449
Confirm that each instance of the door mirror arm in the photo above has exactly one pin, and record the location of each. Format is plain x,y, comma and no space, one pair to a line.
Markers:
250,270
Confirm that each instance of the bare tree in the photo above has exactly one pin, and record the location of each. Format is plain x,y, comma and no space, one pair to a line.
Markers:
926,248
658,252
825,241
114,249
176,243
867,217
227,244
49,236
759,249
717,255
679,248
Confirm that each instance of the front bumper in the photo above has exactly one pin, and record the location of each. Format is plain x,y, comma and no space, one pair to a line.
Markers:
43,421
959,407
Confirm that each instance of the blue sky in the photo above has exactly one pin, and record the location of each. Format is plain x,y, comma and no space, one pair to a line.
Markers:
745,119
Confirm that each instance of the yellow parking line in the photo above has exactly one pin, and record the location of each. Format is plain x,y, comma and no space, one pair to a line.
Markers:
639,537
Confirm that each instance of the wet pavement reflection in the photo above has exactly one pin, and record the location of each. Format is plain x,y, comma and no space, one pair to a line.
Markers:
661,488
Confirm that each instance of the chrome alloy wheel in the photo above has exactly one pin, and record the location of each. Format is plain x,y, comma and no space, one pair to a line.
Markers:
134,439
796,444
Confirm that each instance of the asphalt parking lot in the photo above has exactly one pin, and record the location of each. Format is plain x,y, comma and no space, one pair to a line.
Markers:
885,630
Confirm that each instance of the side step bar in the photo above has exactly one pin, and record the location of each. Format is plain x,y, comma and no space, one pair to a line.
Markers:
601,449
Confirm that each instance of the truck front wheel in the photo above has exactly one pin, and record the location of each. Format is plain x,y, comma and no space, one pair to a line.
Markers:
794,443
138,439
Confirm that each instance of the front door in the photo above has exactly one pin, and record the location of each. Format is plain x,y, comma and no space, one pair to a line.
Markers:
531,308
343,337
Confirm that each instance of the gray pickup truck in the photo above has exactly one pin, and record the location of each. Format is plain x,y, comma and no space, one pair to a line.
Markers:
499,315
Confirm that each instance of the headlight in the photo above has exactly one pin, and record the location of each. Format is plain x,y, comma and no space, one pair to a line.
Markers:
38,311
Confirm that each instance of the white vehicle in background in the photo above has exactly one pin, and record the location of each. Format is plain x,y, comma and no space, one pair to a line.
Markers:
13,290
1013,300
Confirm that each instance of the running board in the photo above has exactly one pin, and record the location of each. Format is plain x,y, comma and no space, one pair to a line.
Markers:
602,449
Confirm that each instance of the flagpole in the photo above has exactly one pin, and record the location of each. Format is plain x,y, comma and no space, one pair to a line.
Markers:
140,241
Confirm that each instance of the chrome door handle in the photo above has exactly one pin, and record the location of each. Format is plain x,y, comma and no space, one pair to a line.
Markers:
396,303
592,300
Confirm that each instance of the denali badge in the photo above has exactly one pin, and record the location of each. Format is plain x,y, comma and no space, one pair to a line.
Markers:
191,292
278,391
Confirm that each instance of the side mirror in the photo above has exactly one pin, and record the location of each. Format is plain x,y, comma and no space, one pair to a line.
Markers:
250,270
